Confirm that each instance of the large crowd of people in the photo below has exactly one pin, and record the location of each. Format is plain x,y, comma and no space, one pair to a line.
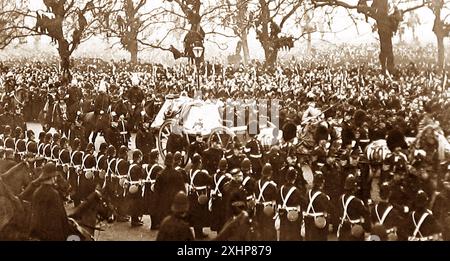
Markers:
361,152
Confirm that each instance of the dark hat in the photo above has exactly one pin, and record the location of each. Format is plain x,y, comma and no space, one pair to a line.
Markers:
180,203
266,170
291,174
319,179
246,164
395,138
177,157
350,182
421,199
48,171
196,159
168,161
380,231
223,164
111,151
103,146
154,154
385,190
137,154
289,131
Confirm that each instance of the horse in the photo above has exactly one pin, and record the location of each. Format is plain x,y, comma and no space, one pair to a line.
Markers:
96,123
18,177
5,165
83,218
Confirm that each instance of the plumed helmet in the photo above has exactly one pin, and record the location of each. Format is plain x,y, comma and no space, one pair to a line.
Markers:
289,131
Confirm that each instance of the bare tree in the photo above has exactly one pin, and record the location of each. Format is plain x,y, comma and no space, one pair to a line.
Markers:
269,22
67,23
440,28
386,23
129,21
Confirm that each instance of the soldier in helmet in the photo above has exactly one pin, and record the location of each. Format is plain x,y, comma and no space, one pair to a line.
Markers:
254,149
316,214
136,173
235,157
421,224
145,140
77,130
212,155
153,170
354,217
385,214
86,182
178,161
249,183
266,196
200,184
121,171
197,146
175,226
76,162
167,185
216,203
101,167
289,209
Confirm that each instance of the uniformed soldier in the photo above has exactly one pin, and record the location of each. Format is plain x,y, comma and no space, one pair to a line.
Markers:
212,155
441,206
77,130
178,161
216,202
200,184
249,184
385,214
197,146
124,130
137,176
235,157
152,170
86,182
266,197
145,140
353,213
289,217
75,170
254,150
421,224
121,172
316,214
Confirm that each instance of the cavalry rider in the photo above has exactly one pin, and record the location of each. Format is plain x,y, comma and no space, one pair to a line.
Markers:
102,100
216,203
199,189
136,175
254,149
353,213
421,224
266,196
385,214
317,211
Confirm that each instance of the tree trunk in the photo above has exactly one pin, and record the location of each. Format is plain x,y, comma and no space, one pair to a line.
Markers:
386,49
133,49
245,48
64,55
441,51
271,55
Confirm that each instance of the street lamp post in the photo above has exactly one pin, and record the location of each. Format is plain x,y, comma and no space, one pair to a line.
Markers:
198,52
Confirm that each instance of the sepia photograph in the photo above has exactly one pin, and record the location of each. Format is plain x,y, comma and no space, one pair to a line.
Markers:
224,120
